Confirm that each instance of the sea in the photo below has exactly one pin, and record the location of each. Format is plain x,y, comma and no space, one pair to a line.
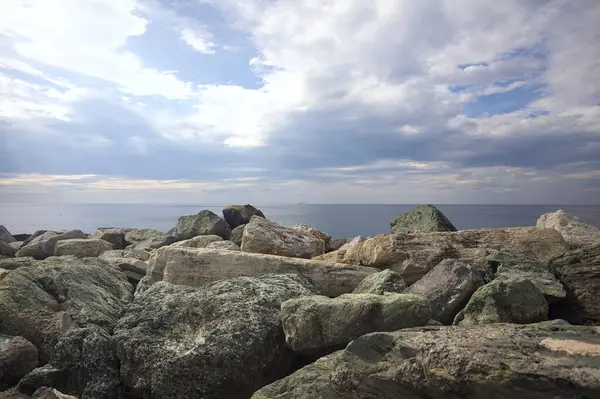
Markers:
339,220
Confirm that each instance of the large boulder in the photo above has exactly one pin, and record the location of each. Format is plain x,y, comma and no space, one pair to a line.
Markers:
140,235
198,267
43,245
579,272
311,230
448,288
502,361
576,233
506,300
115,236
236,215
422,219
7,249
204,223
82,247
17,358
317,324
414,255
197,242
228,245
220,341
237,234
266,237
6,236
380,283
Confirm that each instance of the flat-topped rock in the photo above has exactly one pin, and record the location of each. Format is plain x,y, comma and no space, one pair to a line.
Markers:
197,242
82,248
43,245
576,233
422,219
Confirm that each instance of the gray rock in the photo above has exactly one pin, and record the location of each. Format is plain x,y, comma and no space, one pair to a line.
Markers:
17,358
132,267
15,263
509,264
336,243
237,234
422,219
43,246
127,253
579,272
44,376
141,235
152,244
501,361
380,283
204,223
197,242
82,248
6,236
16,245
266,237
3,272
576,233
115,236
50,393
311,230
228,245
7,249
236,215
448,288
507,300
21,237
317,324
222,341
37,234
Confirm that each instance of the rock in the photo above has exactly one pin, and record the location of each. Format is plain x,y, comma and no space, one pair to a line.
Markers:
82,248
220,341
266,237
21,237
311,230
152,244
198,267
348,253
127,253
506,300
43,246
3,272
502,361
6,236
448,288
380,283
336,243
579,272
50,393
16,245
44,376
17,358
413,256
197,242
576,233
508,264
133,268
141,235
7,249
202,224
15,263
317,324
422,219
37,234
228,245
42,302
237,234
236,215
112,235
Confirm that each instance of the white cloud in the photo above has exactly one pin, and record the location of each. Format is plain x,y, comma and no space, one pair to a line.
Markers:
199,40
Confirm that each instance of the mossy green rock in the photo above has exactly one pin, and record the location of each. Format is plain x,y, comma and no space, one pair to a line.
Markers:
424,218
204,223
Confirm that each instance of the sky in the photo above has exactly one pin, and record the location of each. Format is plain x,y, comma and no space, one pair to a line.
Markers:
286,101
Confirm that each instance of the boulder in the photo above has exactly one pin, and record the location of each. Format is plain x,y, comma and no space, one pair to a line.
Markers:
16,245
336,243
501,361
17,358
347,253
7,249
82,248
197,242
228,245
43,245
126,253
6,236
509,264
380,283
317,324
50,393
579,272
448,288
112,235
414,255
220,341
21,237
236,215
140,235
15,263
266,237
38,233
506,300
134,268
576,233
202,224
311,230
422,219
196,267
237,234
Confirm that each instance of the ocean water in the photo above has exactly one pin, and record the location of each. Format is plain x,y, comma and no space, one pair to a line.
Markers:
337,220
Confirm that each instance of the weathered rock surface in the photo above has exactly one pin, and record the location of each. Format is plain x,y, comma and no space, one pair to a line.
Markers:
348,253
448,288
413,256
115,236
38,233
579,272
266,237
50,393
82,247
506,300
422,219
140,235
129,262
7,249
501,361
236,215
126,253
220,341
576,233
237,234
509,264
17,358
148,240
15,263
6,236
228,245
16,245
317,324
336,243
380,283
204,223
3,272
315,232
197,242
198,267
43,245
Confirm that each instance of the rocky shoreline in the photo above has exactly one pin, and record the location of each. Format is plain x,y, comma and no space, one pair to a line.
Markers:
241,307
